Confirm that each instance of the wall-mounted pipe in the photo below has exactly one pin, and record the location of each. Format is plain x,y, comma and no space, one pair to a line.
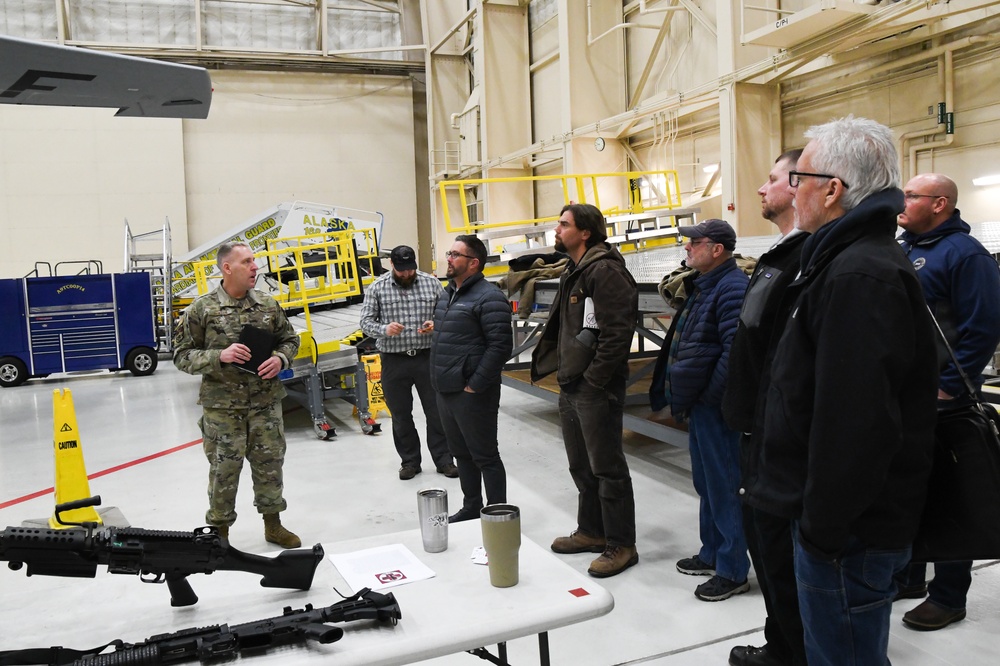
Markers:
949,105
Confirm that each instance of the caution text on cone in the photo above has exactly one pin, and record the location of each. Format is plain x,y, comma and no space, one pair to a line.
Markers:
71,473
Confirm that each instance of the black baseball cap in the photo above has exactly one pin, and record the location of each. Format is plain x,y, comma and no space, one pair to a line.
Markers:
717,231
403,258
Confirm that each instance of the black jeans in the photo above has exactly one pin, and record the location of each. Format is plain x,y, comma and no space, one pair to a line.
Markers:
400,374
592,433
950,585
470,423
769,540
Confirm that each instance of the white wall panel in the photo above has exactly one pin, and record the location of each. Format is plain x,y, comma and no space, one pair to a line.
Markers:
339,140
70,177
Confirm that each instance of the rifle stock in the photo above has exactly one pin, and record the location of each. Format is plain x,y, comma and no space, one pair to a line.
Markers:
157,556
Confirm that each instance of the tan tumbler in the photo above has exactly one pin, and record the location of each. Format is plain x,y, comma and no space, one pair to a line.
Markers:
502,539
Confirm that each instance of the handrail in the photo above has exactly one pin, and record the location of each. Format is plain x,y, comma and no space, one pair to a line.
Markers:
663,194
338,263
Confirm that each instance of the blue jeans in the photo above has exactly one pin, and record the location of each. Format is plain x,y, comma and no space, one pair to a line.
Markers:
715,471
846,603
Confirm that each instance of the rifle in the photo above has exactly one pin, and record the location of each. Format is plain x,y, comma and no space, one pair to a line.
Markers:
157,556
221,640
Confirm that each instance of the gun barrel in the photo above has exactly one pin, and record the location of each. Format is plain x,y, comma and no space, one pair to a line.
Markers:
48,552
140,655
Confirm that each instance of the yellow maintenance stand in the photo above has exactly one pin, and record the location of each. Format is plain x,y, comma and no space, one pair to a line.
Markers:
71,473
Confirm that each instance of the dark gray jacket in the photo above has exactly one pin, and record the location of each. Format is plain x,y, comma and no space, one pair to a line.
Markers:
603,277
473,338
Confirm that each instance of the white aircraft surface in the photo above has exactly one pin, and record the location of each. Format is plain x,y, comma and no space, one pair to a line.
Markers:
53,75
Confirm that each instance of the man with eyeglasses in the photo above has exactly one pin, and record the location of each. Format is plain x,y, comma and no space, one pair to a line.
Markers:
586,342
769,537
473,339
397,313
690,376
961,282
849,414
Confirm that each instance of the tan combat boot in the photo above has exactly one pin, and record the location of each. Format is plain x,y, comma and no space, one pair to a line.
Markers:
579,542
275,533
613,561
223,531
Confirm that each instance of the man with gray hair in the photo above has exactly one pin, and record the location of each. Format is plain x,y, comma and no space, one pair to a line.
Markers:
849,414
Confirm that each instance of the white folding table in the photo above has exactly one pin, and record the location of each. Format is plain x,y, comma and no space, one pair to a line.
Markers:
456,610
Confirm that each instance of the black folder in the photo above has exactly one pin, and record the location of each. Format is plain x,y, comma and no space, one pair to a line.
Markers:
261,344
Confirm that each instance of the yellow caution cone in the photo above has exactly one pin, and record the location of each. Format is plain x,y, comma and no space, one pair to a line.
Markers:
71,473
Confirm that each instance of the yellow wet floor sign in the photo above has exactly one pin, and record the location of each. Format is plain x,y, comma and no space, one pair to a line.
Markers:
373,372
71,473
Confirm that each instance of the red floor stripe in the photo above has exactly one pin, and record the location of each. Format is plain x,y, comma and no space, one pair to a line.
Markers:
103,472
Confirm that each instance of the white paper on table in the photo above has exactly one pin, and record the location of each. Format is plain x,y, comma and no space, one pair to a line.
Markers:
380,568
479,555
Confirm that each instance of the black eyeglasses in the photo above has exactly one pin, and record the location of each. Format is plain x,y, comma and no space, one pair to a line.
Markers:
451,254
910,196
795,177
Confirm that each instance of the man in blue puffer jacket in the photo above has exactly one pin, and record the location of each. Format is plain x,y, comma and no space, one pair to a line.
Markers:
690,377
472,341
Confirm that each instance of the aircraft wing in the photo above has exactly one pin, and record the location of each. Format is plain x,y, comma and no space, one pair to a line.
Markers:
53,75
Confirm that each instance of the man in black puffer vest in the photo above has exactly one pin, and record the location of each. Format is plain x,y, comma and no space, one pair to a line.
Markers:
769,537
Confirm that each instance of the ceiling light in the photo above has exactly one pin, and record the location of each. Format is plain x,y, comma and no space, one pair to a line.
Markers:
984,181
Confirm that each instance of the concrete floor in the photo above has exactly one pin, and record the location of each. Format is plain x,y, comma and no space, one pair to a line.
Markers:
140,435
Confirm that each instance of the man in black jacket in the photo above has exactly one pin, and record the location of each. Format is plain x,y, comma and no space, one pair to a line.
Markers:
849,413
586,341
472,341
769,537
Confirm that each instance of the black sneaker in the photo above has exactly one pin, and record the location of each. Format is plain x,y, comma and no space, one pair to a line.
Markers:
464,514
407,472
718,588
748,655
693,566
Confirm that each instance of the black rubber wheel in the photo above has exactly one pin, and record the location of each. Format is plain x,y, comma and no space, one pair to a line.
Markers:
13,371
141,361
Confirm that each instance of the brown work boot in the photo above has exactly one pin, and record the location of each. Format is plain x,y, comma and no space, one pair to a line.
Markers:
579,542
613,561
275,533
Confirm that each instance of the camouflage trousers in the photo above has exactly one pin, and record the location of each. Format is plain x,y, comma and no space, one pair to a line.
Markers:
229,436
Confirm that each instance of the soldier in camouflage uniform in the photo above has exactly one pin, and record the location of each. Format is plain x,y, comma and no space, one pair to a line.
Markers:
241,410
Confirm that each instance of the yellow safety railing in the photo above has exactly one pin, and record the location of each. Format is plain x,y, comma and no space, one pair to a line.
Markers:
310,269
645,191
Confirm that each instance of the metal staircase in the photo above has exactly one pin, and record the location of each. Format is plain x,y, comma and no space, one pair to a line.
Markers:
151,252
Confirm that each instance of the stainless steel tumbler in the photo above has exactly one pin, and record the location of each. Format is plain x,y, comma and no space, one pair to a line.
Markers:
501,525
432,507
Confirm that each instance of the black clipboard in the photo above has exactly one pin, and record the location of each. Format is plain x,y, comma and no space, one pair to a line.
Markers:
261,344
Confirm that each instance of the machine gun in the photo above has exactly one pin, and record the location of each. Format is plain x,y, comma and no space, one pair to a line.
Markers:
221,640
157,556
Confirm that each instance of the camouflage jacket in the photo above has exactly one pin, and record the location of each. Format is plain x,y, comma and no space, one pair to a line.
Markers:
212,323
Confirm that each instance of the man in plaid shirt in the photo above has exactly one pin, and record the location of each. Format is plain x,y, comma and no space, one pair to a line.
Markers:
398,313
